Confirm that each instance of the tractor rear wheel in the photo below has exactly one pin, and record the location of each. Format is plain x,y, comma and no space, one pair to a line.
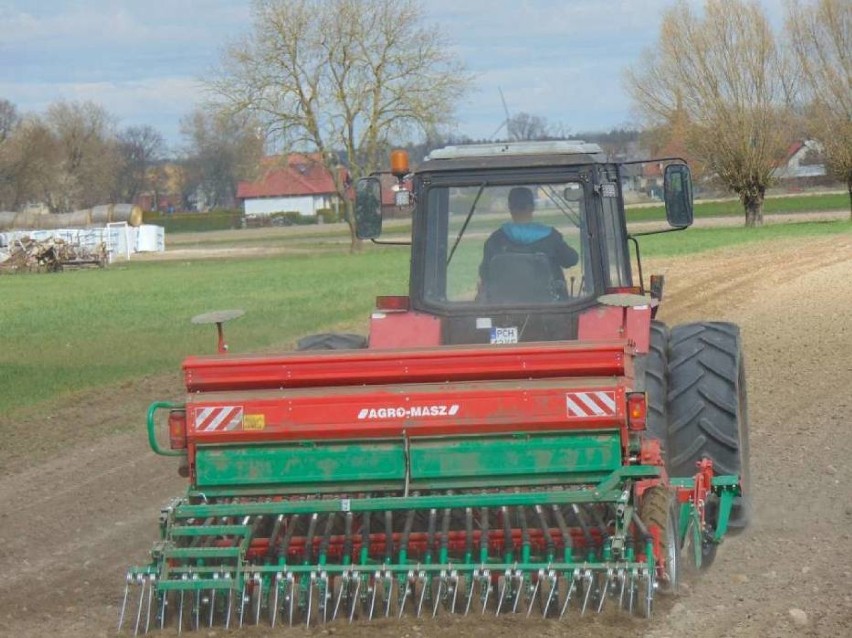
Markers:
332,341
707,407
656,384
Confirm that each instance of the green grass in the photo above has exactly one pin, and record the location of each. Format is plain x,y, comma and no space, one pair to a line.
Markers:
733,208
72,331
68,332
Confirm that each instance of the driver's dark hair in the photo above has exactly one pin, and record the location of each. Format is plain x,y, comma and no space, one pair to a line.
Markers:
521,199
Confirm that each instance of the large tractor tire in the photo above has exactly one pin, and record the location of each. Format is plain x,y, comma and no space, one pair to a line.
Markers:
707,408
332,341
656,384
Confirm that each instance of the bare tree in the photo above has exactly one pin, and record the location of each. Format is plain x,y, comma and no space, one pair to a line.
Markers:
821,36
87,166
341,79
524,126
139,148
724,73
221,150
28,160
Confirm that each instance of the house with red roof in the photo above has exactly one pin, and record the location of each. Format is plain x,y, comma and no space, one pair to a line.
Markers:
802,161
292,183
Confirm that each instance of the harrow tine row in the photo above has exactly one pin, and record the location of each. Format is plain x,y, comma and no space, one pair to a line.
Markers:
315,597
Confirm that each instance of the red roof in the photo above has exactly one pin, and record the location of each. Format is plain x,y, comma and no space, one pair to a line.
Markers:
794,148
301,175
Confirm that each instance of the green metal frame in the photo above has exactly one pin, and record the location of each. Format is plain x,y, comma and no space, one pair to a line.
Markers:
152,432
726,488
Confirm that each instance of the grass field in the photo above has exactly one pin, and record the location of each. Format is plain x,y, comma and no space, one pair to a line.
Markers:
68,332
733,207
336,233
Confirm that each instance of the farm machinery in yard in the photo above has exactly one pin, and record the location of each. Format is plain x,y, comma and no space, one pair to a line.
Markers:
511,438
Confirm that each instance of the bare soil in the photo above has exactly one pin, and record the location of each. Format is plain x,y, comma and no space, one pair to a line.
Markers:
74,516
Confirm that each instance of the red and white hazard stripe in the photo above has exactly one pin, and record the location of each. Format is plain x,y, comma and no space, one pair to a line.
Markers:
590,404
226,417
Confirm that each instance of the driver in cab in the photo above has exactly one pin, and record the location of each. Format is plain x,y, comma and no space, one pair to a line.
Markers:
523,260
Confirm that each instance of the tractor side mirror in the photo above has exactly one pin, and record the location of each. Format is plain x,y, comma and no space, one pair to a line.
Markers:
368,208
677,185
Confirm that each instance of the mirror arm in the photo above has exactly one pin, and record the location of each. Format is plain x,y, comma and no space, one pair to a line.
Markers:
638,263
391,243
657,232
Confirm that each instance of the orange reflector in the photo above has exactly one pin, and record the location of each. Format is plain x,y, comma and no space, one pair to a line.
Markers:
637,411
399,164
393,303
177,429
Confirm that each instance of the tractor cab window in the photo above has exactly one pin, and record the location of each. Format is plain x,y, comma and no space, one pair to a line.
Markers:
507,244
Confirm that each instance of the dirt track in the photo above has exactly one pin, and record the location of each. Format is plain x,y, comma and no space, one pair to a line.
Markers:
70,525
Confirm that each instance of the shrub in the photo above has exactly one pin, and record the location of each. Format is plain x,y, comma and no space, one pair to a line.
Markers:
194,222
328,215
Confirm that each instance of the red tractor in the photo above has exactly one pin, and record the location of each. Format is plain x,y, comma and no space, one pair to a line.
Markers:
517,435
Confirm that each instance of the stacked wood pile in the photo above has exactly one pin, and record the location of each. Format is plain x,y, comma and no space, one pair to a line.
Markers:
49,255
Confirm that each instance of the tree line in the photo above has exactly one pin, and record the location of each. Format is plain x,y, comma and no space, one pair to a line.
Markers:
75,156
344,82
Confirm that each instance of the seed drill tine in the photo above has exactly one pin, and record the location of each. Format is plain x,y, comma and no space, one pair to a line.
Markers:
212,607
436,597
535,591
258,585
649,593
574,578
605,591
310,601
587,577
151,582
228,610
197,610
124,604
163,599
274,615
622,576
408,581
343,581
372,597
631,590
554,586
354,600
291,598
518,590
502,592
455,579
421,577
180,612
139,610
243,601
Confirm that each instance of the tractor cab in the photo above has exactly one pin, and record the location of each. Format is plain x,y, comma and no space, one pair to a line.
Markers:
513,241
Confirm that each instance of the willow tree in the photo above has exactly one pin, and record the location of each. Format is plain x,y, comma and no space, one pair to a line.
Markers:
341,81
722,71
821,36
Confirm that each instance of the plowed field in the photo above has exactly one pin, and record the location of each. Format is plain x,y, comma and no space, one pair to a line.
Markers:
71,523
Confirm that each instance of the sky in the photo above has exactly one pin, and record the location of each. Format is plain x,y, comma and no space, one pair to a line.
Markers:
142,59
